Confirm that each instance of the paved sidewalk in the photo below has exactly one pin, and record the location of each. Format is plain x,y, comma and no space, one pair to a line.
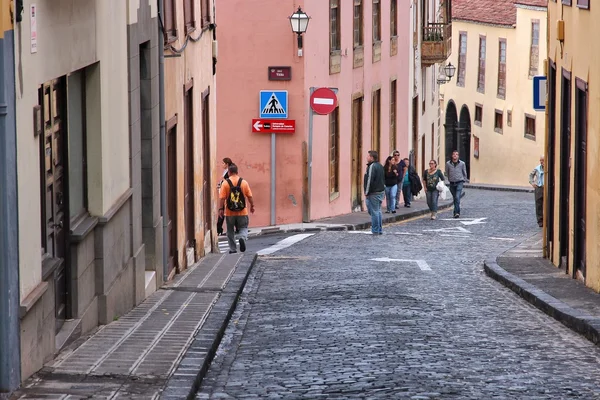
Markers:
537,280
135,356
484,186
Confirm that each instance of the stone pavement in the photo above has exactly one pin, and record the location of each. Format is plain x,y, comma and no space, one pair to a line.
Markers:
135,356
406,315
547,287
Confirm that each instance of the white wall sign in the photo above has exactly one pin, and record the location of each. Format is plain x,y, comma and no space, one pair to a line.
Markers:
33,18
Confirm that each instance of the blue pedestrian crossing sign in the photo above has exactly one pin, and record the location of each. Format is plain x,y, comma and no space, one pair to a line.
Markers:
273,104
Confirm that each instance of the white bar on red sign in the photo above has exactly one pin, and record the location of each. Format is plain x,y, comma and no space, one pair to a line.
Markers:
323,101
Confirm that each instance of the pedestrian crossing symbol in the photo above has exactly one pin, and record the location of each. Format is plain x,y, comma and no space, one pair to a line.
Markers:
273,104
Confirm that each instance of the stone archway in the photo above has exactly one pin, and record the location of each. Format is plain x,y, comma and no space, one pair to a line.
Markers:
464,137
451,130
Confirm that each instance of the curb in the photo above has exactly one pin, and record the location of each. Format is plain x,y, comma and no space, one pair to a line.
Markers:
188,375
576,320
499,188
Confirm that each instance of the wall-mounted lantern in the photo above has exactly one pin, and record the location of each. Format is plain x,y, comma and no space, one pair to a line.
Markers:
446,74
299,21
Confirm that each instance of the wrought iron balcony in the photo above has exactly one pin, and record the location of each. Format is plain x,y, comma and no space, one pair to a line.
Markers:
436,45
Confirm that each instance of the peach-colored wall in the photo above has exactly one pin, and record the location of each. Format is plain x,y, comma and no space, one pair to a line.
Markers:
249,42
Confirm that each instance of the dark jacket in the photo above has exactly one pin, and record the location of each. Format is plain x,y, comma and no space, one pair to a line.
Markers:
400,166
391,177
374,179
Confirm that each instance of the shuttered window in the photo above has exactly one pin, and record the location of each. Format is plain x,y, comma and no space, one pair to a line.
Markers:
481,73
502,68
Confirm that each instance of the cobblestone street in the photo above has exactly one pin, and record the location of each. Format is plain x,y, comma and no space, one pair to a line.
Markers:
409,314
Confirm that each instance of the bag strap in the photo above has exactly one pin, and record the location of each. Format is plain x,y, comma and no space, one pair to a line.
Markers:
239,184
230,183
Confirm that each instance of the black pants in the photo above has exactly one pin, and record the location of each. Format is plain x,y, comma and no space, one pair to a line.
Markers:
539,204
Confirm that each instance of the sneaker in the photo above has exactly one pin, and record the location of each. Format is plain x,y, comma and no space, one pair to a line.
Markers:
242,245
456,215
394,212
433,216
232,251
387,212
407,205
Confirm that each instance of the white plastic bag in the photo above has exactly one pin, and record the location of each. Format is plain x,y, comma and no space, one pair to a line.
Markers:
443,189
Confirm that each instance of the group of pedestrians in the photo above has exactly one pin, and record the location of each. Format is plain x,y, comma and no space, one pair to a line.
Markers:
398,176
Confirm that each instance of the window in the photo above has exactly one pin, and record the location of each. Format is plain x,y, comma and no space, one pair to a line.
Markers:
583,4
423,88
376,21
478,114
334,26
170,21
462,59
393,113
530,126
502,69
376,121
509,118
358,23
205,4
190,18
566,2
498,121
393,18
481,74
334,151
534,57
476,147
433,84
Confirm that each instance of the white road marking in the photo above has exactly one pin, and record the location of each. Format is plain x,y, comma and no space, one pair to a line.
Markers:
361,232
455,229
499,238
409,233
421,263
282,244
463,236
477,221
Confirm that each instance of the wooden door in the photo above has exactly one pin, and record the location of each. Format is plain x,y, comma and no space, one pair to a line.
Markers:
54,208
356,189
581,107
550,160
565,168
171,141
206,170
190,232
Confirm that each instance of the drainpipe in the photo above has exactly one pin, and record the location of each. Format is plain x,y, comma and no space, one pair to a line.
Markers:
163,146
10,363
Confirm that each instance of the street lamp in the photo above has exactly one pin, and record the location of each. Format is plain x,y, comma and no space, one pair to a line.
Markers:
449,70
446,74
299,21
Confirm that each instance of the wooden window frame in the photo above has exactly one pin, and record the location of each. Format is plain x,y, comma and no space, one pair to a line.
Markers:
358,30
566,2
393,18
205,9
393,113
534,54
335,38
481,69
376,119
334,154
528,134
462,60
189,15
583,4
479,121
170,21
376,17
498,127
501,92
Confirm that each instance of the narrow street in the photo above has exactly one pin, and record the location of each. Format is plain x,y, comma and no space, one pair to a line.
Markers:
409,314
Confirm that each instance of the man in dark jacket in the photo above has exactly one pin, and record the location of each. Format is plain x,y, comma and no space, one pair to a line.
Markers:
374,186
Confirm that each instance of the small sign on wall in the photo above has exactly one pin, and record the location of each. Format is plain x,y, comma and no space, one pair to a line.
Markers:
33,20
476,147
280,73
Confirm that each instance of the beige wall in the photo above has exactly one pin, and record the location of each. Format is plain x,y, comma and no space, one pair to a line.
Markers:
71,36
195,63
580,55
505,158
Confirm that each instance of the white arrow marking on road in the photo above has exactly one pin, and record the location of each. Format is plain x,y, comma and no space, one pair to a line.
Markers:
257,125
421,263
456,229
464,236
320,100
474,222
497,238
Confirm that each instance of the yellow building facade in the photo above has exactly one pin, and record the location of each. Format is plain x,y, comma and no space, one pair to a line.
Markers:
572,198
488,104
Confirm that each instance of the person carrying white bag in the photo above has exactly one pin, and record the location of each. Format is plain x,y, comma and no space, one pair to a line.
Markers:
433,184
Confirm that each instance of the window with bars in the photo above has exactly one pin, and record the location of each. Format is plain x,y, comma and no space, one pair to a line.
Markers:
481,72
358,23
206,12
502,68
393,18
334,151
534,58
334,26
169,20
393,113
462,59
376,21
530,126
498,123
189,15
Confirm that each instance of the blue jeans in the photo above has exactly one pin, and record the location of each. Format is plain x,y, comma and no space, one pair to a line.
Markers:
374,201
390,197
432,199
407,194
456,190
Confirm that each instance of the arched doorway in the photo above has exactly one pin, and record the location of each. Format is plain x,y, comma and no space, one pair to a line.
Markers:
464,135
451,127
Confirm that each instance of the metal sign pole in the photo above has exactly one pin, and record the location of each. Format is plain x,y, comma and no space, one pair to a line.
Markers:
310,142
273,175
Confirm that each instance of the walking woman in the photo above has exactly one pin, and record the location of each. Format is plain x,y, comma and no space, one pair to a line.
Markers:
431,177
391,184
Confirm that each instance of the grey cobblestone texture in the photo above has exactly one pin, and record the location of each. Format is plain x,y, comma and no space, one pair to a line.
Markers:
321,319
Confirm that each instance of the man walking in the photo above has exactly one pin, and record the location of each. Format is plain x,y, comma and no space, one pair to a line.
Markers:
536,179
374,191
400,165
234,194
456,171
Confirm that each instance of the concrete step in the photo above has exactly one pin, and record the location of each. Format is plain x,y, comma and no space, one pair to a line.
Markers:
150,282
70,331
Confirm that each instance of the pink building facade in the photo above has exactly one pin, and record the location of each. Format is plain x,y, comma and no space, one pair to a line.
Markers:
361,48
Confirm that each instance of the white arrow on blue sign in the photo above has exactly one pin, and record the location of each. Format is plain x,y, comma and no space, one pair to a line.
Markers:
539,93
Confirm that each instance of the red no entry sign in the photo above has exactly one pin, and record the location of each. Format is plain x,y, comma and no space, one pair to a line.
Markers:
323,101
273,125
